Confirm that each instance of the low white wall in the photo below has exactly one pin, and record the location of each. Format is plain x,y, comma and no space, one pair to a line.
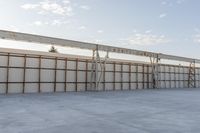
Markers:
46,72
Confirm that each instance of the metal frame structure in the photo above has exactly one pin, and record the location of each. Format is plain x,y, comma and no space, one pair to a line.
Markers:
96,59
192,75
118,69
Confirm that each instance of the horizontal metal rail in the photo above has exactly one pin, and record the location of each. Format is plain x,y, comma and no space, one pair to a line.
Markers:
10,35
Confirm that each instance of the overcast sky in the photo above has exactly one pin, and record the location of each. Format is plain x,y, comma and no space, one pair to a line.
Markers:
164,26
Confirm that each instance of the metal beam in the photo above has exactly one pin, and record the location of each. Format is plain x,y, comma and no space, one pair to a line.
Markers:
10,35
176,58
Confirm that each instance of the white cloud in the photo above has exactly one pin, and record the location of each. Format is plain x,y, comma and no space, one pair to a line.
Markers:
147,39
148,31
56,22
163,2
134,31
172,2
38,23
196,38
100,31
85,7
82,28
197,30
66,1
162,15
180,1
60,9
55,8
52,7
29,6
168,3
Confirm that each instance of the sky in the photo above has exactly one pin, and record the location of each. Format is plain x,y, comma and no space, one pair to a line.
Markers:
163,26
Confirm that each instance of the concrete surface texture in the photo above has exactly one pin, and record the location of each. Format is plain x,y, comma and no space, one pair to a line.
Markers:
140,111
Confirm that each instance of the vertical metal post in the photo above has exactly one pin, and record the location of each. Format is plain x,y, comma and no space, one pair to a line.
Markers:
103,70
55,74
129,76
65,89
96,75
158,73
104,76
137,76
195,74
76,84
148,76
39,75
165,76
93,78
121,76
114,77
189,83
143,76
198,77
7,75
170,79
86,75
97,68
96,61
179,77
155,70
24,74
183,75
175,77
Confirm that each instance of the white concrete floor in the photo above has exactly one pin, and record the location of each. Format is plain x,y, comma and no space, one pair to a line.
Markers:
141,111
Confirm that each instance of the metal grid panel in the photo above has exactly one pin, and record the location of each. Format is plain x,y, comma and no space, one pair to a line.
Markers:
30,74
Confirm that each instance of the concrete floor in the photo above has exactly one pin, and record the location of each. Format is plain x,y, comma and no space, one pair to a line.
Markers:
141,111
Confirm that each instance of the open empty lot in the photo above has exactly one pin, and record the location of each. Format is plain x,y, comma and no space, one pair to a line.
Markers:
141,111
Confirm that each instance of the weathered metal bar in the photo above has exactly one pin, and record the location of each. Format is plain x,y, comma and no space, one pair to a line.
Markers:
114,67
198,78
97,61
159,75
170,79
179,77
62,69
55,74
86,75
7,73
121,75
76,76
143,76
39,75
93,69
195,76
148,76
183,75
177,58
24,75
129,76
10,35
33,82
165,76
136,76
104,77
65,89
175,77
